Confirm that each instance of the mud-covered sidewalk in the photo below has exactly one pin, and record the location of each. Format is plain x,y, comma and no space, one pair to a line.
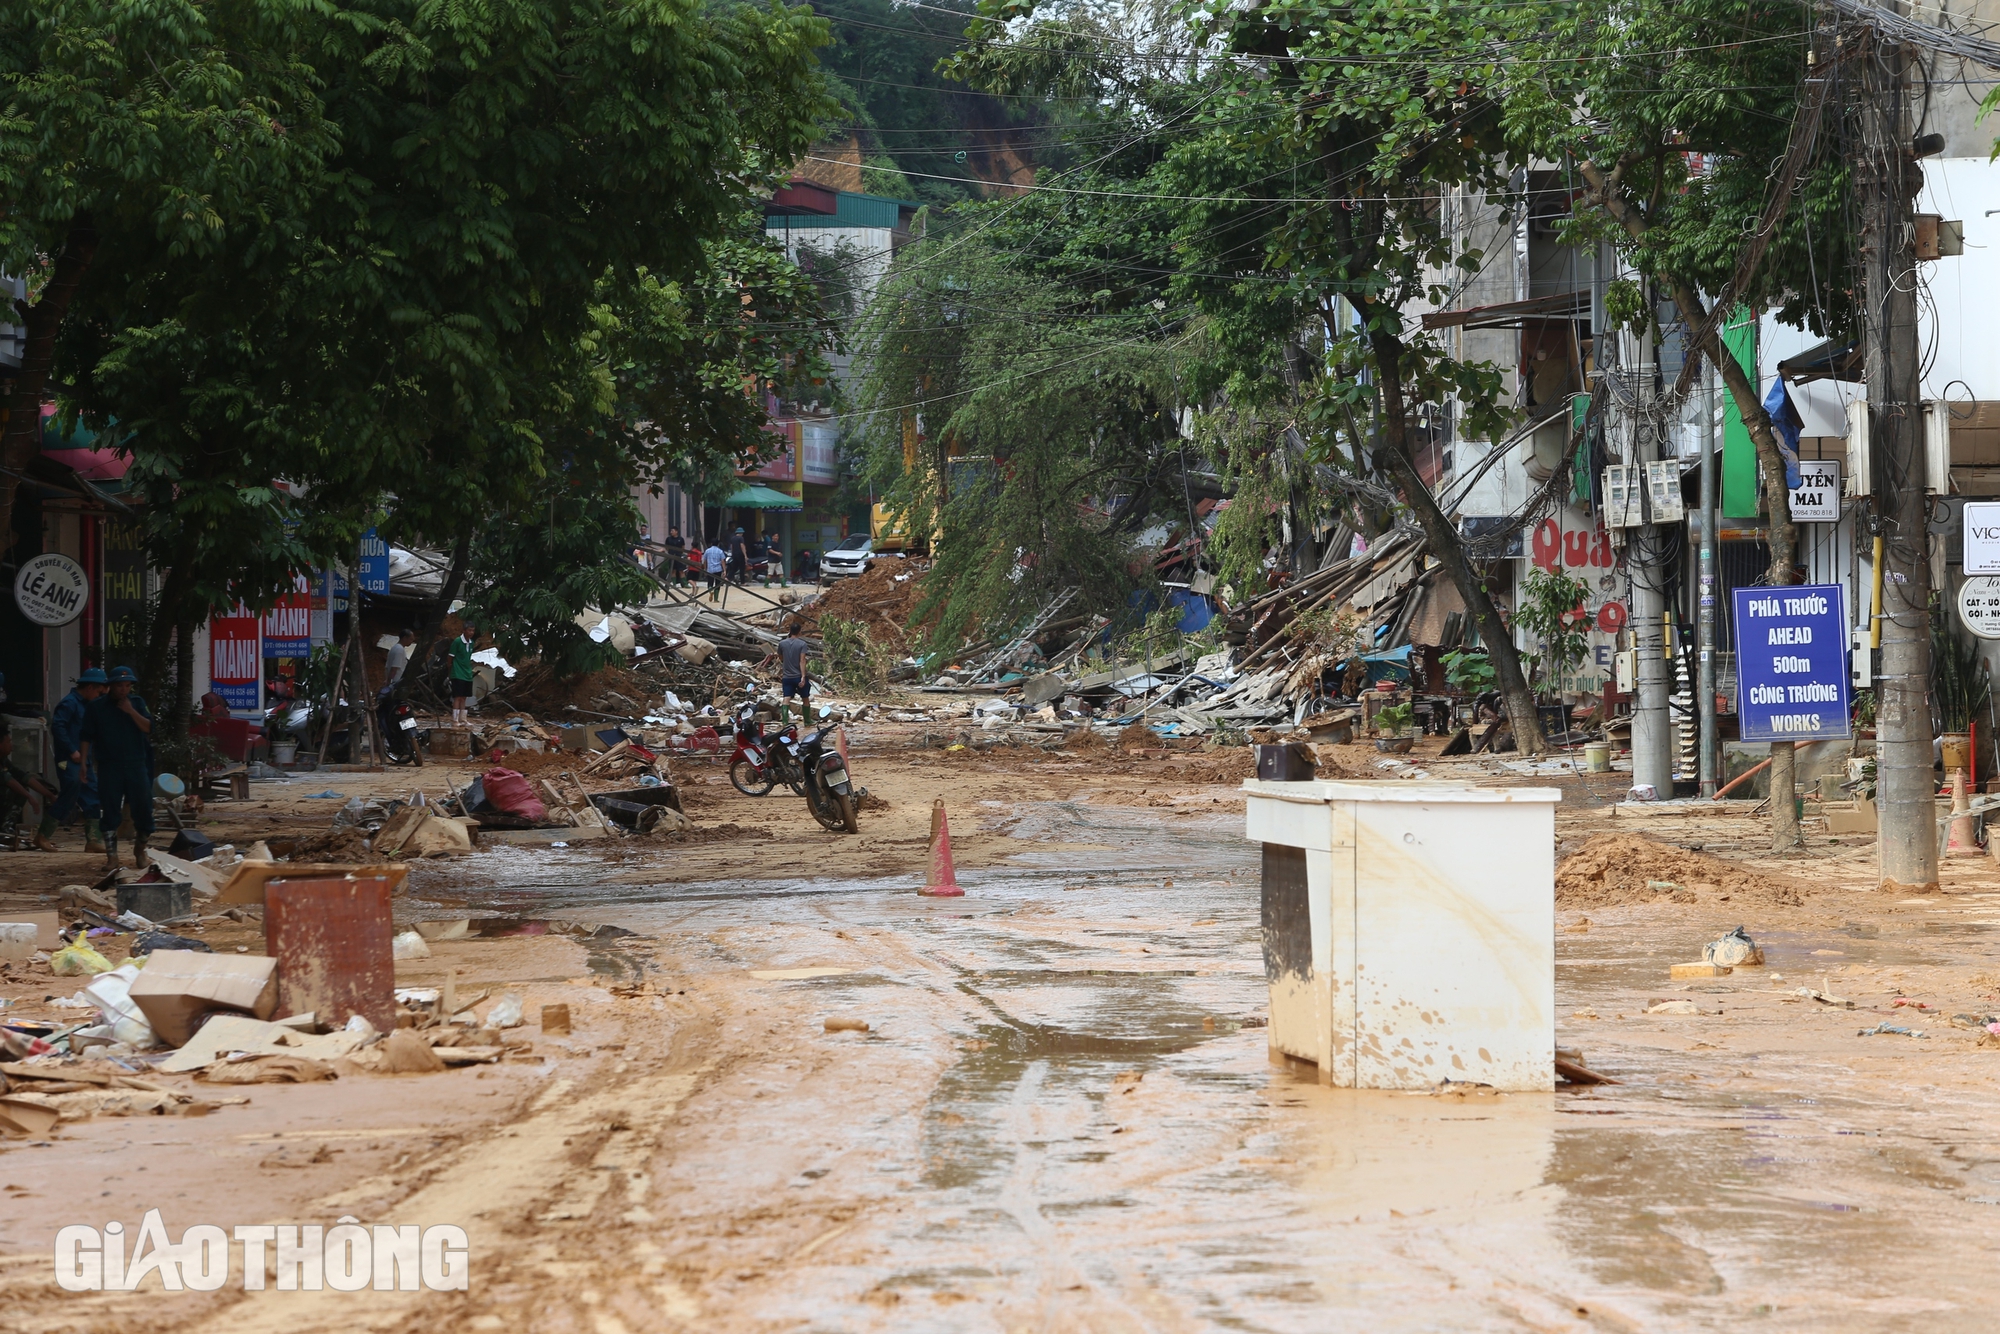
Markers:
1062,1116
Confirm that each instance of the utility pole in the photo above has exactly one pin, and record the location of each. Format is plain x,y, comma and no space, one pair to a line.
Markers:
1887,179
1652,720
1705,609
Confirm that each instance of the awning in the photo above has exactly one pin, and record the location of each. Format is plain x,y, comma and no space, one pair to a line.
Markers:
761,498
1824,362
1513,314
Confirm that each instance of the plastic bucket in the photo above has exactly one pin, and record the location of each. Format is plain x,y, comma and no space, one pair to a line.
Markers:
284,752
1597,758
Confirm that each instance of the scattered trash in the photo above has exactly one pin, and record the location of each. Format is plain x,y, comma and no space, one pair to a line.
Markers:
506,1012
253,1068
179,989
1571,1068
1735,950
410,945
1674,1007
1891,1028
404,1053
837,1024
1824,997
555,1020
148,941
77,959
25,1119
1703,969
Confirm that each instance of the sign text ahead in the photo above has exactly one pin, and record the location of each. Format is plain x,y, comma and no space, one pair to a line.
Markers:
1791,663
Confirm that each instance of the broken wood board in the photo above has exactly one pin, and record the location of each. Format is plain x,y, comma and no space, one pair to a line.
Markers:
246,883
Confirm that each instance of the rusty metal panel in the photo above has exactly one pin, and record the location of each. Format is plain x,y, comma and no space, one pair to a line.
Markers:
333,940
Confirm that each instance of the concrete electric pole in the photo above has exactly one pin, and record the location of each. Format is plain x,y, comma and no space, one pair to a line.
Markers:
1887,179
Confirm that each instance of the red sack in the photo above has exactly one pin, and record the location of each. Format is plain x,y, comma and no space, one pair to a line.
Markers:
508,791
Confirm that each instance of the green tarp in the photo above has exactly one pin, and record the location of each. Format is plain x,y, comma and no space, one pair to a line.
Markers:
761,498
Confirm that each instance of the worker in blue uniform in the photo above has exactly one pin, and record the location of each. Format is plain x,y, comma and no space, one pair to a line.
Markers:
78,783
118,736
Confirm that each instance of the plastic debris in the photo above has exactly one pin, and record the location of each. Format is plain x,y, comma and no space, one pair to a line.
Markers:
1735,950
410,945
506,1012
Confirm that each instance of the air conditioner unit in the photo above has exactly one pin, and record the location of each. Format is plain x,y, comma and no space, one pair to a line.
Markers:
1663,492
1624,497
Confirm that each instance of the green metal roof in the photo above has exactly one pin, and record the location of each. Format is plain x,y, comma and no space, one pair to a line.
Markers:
851,210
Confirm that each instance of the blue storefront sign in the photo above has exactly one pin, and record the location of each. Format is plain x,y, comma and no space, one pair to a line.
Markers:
1791,663
373,574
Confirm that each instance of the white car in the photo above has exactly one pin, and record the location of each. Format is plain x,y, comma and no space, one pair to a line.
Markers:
848,557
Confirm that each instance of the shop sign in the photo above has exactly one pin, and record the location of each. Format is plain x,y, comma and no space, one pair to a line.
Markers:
1791,663
1816,499
235,669
821,454
1979,606
1982,537
288,624
51,589
373,567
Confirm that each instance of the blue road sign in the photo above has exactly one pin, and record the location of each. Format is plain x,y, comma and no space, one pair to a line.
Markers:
1791,663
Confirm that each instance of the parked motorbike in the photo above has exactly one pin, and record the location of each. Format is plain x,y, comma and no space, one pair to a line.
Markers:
400,732
829,791
763,760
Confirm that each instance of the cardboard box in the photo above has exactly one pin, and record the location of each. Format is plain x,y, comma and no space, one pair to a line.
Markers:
177,987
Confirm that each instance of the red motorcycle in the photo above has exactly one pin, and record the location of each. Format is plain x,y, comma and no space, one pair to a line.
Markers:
763,760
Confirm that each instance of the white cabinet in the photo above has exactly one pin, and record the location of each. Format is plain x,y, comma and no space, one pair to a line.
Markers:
1409,930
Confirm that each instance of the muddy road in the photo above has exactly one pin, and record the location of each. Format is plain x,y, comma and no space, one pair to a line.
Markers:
1062,1115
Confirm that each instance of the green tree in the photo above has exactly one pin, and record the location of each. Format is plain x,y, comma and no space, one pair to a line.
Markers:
1029,429
427,319
160,126
1697,131
1340,128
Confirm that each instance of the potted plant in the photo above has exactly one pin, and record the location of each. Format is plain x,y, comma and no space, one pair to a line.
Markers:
1394,723
1959,689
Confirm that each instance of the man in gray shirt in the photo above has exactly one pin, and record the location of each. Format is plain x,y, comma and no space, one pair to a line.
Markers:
399,658
792,655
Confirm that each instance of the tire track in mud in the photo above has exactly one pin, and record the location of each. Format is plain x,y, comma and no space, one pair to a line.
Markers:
554,1203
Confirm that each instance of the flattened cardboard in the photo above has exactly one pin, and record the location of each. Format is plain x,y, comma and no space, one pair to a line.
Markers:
177,987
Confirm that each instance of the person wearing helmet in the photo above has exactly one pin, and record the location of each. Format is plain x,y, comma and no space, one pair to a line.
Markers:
118,735
79,784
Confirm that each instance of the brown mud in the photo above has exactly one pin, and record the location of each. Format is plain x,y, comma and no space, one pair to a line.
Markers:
1062,1116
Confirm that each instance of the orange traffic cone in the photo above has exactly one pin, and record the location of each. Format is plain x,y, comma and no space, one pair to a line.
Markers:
1964,841
944,881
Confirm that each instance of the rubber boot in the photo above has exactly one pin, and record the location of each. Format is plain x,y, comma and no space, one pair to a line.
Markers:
111,852
93,835
139,858
43,842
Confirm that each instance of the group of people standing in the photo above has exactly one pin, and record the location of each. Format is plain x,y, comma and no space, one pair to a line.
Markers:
103,735
743,558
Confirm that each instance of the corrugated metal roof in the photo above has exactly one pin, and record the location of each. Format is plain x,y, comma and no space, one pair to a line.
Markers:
854,210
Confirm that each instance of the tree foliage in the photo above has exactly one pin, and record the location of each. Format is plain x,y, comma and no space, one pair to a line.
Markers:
448,259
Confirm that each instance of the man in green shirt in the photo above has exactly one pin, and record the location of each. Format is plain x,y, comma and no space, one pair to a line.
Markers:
461,673
118,734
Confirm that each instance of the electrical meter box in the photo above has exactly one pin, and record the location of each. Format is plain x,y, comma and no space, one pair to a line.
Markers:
1624,501
1663,491
1409,931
